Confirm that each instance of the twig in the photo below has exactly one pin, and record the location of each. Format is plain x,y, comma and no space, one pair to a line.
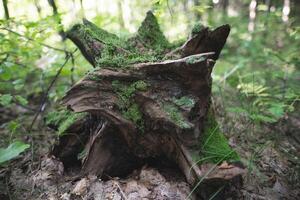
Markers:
72,69
44,99
121,191
100,128
228,74
32,40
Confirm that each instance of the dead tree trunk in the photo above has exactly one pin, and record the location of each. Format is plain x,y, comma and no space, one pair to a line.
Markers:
144,100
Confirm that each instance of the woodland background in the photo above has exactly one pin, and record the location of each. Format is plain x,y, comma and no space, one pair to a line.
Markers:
256,86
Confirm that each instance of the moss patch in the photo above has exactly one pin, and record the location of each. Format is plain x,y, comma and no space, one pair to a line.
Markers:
184,101
195,59
197,28
128,108
109,58
94,32
93,77
63,119
214,145
134,114
175,115
104,49
150,34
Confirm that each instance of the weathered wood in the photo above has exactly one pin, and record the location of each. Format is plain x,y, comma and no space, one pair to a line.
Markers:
147,109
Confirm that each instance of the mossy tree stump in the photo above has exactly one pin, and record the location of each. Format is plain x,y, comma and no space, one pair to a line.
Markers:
145,99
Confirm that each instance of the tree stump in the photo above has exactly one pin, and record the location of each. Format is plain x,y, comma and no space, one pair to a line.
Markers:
146,99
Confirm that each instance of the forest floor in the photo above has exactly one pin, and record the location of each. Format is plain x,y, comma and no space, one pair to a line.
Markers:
270,153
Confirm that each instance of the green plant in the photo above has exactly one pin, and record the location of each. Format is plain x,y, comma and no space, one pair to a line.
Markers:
12,151
208,172
266,104
63,119
214,145
7,100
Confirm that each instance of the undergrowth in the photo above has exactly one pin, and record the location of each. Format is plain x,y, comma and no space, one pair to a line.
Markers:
63,119
214,145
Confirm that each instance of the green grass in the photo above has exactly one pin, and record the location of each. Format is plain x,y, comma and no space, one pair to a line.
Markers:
214,145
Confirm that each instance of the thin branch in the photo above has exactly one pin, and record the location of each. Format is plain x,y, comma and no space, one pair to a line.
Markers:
44,99
121,191
72,69
32,40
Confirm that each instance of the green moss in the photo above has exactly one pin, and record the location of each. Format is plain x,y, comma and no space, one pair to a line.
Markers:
150,34
63,119
195,59
175,115
140,85
128,108
93,77
197,28
134,114
113,60
214,145
126,91
184,102
94,32
55,117
108,50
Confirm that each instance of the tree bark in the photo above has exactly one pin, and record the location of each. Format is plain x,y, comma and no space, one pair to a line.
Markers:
5,7
147,109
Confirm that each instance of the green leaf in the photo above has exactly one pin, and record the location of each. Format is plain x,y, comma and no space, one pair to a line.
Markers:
277,110
18,84
262,118
13,126
236,110
21,100
12,151
5,99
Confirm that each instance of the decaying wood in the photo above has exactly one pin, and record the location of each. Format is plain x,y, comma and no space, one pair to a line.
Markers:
114,144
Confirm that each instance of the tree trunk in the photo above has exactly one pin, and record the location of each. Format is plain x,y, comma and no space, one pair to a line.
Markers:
6,12
38,8
252,15
144,101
